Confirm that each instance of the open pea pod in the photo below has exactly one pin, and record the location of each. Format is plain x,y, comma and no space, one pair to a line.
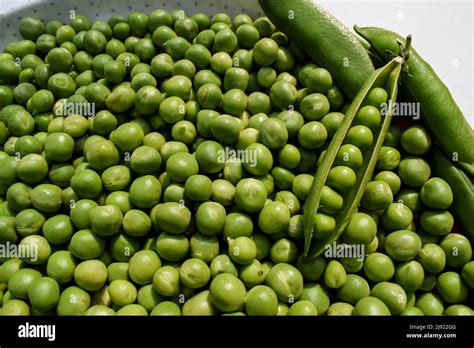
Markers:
386,77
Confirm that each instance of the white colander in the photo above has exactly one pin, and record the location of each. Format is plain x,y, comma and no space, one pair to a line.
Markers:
102,9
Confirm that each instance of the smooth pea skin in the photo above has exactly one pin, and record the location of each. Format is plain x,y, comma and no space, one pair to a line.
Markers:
242,250
173,217
451,287
199,304
379,267
261,300
274,217
145,191
436,194
370,306
361,229
340,308
377,196
227,292
402,245
286,281
392,295
250,195
430,304
73,301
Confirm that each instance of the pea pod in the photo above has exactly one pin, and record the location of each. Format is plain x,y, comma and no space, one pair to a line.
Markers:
463,190
387,75
442,115
324,38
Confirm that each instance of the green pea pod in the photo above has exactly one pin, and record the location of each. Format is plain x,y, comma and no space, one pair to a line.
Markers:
324,38
442,116
463,190
387,77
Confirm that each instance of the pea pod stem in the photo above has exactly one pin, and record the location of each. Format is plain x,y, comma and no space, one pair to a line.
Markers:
441,115
377,78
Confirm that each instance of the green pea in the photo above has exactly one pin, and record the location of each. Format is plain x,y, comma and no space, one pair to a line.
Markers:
266,76
62,85
360,230
331,201
458,310
145,160
414,171
273,133
457,248
377,196
121,99
265,51
274,217
172,247
354,289
206,38
409,275
204,247
334,275
379,267
436,194
396,217
317,137
143,265
430,304
370,306
227,292
194,273
437,222
415,140
368,116
341,178
262,160
226,128
314,106
145,191
210,218
340,308
468,274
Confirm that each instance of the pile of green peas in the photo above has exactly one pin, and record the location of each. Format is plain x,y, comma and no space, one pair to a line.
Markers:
119,166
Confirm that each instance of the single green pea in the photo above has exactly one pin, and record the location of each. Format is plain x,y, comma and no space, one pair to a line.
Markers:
415,140
314,106
273,133
274,217
414,171
354,289
430,304
457,248
265,51
370,306
360,230
436,194
437,222
379,267
402,245
210,218
368,116
204,247
194,273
